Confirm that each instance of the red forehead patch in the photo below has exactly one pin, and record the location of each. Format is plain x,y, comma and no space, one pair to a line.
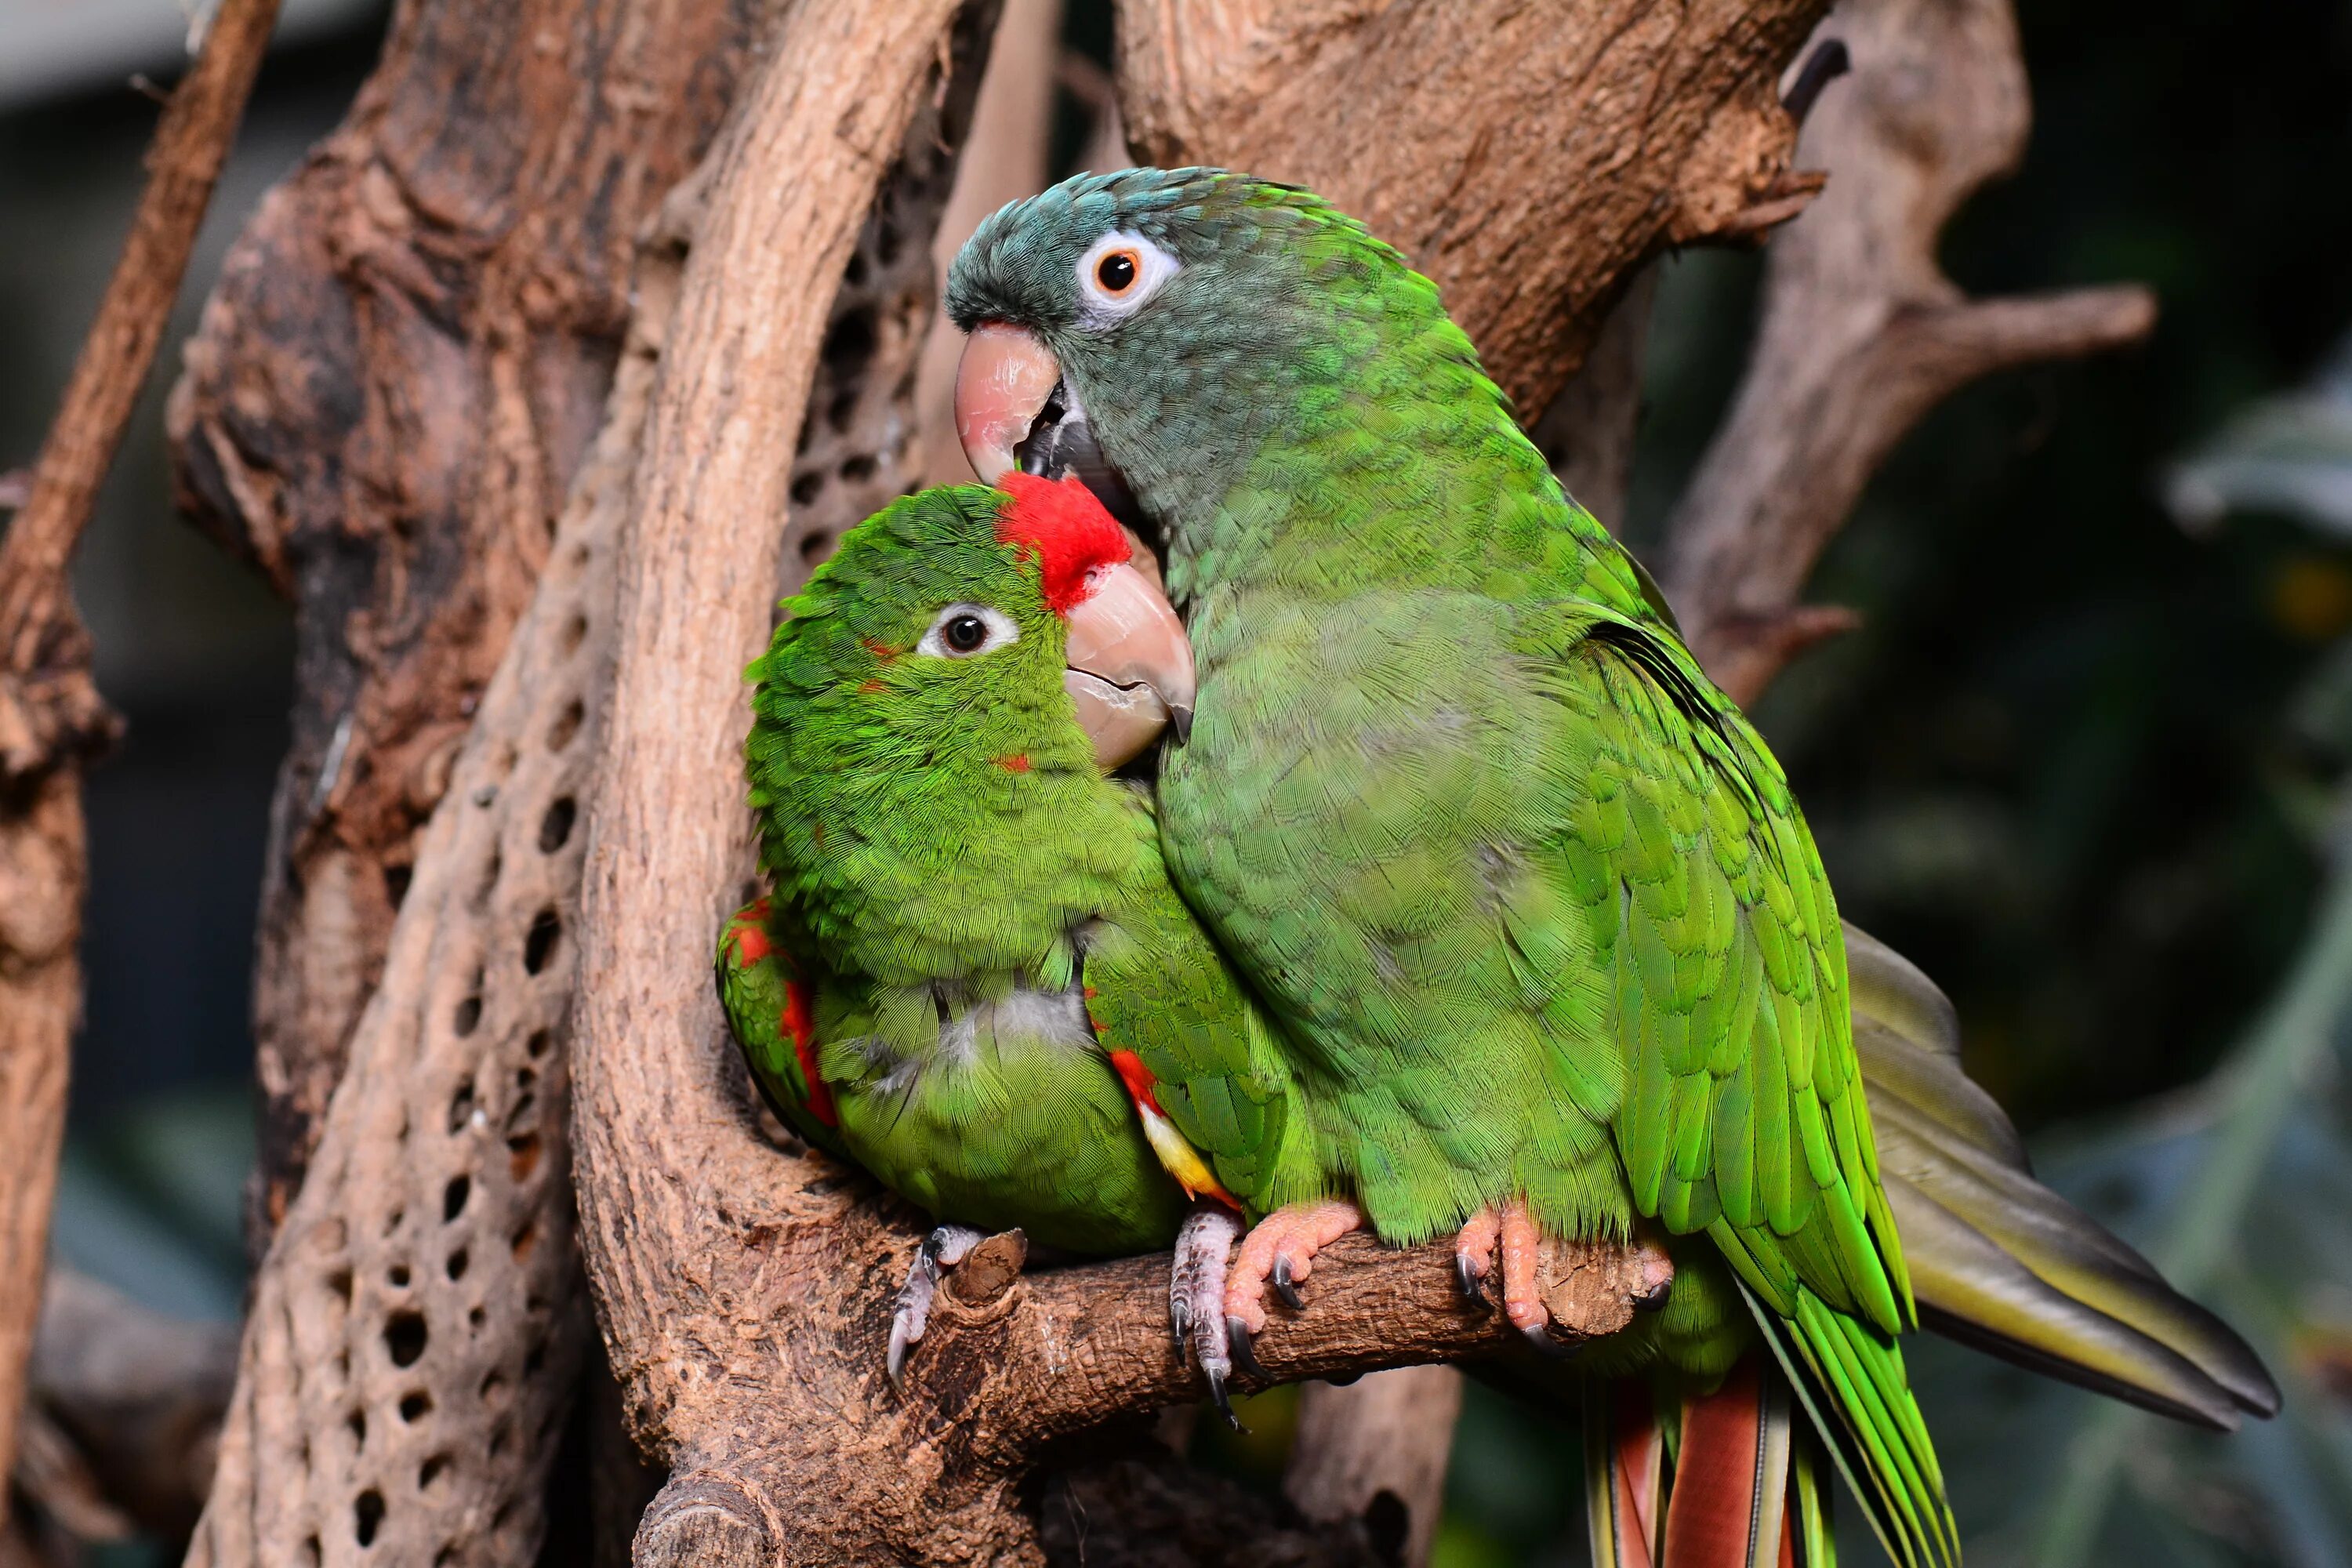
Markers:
1060,522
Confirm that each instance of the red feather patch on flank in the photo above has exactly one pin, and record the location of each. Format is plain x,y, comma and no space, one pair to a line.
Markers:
1138,1078
1061,522
1018,762
800,1022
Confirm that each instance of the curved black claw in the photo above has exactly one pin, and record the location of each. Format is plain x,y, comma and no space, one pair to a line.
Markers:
1237,1345
1655,1301
1218,1397
1541,1337
1285,1288
1471,1282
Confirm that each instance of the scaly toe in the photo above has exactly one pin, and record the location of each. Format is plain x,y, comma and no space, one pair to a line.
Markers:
1280,1250
1196,1279
941,1250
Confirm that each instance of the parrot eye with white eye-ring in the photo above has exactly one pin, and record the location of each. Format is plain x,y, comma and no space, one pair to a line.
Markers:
966,631
1118,273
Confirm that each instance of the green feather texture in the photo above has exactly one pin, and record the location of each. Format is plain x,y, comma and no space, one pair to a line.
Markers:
975,918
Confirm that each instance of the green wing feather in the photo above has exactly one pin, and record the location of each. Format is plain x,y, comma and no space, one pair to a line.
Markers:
1743,1115
1156,986
1999,1260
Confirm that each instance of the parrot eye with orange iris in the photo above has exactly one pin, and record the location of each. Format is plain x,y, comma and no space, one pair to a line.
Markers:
1118,272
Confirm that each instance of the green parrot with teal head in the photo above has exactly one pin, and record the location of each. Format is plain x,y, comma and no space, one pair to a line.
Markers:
1537,924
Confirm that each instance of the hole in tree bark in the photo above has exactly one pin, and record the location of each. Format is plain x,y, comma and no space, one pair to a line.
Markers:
367,1516
539,945
555,827
859,469
430,1470
525,1240
454,1197
494,1388
461,1107
566,725
816,546
396,882
415,1404
398,1276
522,1157
469,1012
575,632
404,1338
807,488
357,1422
458,1262
849,345
538,1042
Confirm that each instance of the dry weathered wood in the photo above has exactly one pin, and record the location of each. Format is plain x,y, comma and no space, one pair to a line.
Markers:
51,717
404,362
418,1324
1527,157
1862,333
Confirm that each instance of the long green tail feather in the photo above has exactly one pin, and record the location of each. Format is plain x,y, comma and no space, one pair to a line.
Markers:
1850,1379
1999,1261
1809,1495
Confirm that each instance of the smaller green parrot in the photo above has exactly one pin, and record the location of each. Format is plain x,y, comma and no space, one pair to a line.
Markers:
974,978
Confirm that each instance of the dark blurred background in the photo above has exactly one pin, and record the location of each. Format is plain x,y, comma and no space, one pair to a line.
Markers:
2081,762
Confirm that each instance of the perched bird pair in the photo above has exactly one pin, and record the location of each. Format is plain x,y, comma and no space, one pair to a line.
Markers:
1462,902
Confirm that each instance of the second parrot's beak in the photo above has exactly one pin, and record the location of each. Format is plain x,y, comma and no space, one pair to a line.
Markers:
1129,667
1003,386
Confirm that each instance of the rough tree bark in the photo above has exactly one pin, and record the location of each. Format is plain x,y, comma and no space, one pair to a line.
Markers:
406,358
1467,132
415,1330
1861,332
51,717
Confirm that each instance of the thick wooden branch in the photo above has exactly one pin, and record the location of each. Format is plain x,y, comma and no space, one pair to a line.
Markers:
1861,332
1526,157
50,715
401,367
416,1327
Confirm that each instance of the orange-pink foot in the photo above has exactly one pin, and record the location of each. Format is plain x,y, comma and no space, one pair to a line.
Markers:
1511,1230
1281,1251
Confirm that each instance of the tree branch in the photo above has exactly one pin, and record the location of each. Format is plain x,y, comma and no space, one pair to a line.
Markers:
51,717
400,370
1527,157
1861,332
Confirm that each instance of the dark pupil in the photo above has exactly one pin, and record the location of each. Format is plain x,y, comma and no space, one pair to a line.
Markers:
966,633
1116,271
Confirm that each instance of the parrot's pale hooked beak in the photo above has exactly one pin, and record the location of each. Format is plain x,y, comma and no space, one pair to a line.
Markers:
1003,384
1015,410
1129,665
